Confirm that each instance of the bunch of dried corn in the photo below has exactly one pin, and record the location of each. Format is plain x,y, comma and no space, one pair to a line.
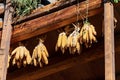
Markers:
87,34
21,56
61,42
40,53
73,43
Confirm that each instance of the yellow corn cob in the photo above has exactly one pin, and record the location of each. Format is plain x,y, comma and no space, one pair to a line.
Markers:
34,55
78,48
14,62
8,61
64,40
94,39
59,42
45,50
21,52
39,51
81,32
35,62
90,34
93,29
69,40
17,55
14,51
87,37
28,57
44,58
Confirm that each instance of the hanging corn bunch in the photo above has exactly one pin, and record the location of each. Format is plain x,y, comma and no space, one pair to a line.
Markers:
73,43
40,54
21,56
87,33
61,42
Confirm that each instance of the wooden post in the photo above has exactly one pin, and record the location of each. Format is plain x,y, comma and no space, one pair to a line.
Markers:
109,42
5,41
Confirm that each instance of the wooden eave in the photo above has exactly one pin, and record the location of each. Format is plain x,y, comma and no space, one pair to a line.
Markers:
52,21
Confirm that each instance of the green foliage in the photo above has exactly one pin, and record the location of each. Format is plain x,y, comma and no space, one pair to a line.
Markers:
115,1
23,7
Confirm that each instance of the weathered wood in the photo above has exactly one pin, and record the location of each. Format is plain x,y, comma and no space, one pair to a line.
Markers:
52,21
109,42
5,40
45,10
1,67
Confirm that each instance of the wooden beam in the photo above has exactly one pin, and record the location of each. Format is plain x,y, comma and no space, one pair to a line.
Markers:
45,10
52,21
109,42
5,40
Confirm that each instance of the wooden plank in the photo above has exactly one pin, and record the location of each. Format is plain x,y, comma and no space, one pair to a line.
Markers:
1,67
109,42
52,21
5,40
